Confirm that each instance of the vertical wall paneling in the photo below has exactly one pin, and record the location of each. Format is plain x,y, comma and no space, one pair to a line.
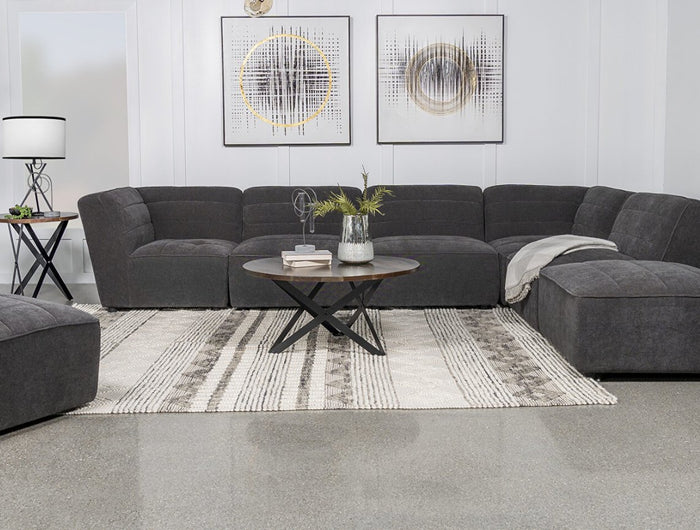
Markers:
592,94
284,175
133,101
386,172
178,89
489,165
659,80
545,92
682,157
627,94
156,92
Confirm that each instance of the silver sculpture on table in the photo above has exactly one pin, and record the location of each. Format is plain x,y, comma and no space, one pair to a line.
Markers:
304,201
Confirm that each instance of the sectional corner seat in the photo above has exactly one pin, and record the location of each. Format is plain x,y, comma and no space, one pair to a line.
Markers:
632,311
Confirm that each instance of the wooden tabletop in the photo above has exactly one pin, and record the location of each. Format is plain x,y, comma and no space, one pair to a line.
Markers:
64,216
379,268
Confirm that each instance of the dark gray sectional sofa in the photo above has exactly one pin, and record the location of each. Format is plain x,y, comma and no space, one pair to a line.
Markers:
636,310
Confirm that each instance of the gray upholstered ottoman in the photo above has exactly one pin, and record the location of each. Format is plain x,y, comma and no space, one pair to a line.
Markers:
49,359
623,316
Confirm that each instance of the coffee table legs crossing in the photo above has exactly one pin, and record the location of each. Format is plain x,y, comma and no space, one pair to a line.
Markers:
360,293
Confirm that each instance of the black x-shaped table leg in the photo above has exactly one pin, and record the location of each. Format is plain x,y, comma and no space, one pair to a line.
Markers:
43,257
324,316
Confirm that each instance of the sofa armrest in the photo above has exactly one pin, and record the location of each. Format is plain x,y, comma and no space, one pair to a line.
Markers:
116,222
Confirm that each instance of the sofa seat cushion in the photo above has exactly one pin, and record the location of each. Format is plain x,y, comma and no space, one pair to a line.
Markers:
455,271
629,279
273,245
185,247
507,247
248,291
405,245
180,273
623,316
49,359
20,315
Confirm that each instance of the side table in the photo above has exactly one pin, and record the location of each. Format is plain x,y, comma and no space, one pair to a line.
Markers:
43,254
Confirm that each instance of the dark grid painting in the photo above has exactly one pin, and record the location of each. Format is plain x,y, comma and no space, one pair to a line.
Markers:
439,78
286,80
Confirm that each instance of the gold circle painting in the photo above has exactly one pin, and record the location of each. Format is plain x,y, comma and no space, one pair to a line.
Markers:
440,78
285,80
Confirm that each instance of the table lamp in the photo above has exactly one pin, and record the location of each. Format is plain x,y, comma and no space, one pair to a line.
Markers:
35,138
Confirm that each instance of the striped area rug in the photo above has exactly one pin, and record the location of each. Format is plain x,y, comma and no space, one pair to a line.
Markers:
218,360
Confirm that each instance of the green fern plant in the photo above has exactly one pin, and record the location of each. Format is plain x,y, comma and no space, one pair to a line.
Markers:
365,205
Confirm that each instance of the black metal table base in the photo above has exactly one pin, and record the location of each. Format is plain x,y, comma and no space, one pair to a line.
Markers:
324,316
43,257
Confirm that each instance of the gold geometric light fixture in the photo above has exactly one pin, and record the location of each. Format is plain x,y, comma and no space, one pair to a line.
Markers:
257,8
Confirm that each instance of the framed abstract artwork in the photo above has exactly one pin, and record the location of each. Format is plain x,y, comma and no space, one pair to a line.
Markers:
439,79
286,80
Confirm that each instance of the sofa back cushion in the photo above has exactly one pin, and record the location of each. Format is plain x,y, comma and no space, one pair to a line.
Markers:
523,209
194,212
443,210
598,211
268,210
645,225
684,246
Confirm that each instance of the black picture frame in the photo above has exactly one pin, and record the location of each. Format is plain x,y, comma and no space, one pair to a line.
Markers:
307,105
423,63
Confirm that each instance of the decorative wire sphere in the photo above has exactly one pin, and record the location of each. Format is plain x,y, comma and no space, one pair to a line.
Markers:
257,8
304,201
43,184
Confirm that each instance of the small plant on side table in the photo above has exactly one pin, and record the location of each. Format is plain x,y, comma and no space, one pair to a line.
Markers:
19,212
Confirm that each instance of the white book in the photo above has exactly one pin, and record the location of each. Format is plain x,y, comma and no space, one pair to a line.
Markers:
306,263
291,255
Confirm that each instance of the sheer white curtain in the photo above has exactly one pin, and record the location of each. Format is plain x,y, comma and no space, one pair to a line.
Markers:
73,64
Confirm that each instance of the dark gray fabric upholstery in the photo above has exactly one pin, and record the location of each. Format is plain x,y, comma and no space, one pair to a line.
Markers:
195,212
521,209
623,316
49,359
268,210
430,210
180,273
645,225
249,291
507,247
684,246
598,211
455,271
116,222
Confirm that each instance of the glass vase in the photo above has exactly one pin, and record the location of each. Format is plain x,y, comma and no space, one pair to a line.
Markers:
355,243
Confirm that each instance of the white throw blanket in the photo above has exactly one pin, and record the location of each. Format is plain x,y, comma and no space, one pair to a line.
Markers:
525,266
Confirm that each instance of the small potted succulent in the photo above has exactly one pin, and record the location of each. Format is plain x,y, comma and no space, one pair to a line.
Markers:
19,212
355,243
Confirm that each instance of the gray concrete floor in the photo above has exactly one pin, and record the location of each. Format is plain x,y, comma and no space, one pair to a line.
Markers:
632,465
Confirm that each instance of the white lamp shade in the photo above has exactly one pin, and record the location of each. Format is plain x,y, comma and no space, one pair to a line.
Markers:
34,137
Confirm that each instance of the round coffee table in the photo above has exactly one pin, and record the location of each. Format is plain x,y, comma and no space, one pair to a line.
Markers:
362,279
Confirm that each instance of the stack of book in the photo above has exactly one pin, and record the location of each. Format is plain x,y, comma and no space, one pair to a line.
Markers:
317,258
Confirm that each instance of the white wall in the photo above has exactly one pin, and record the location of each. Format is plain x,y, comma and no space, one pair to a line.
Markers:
682,174
584,103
